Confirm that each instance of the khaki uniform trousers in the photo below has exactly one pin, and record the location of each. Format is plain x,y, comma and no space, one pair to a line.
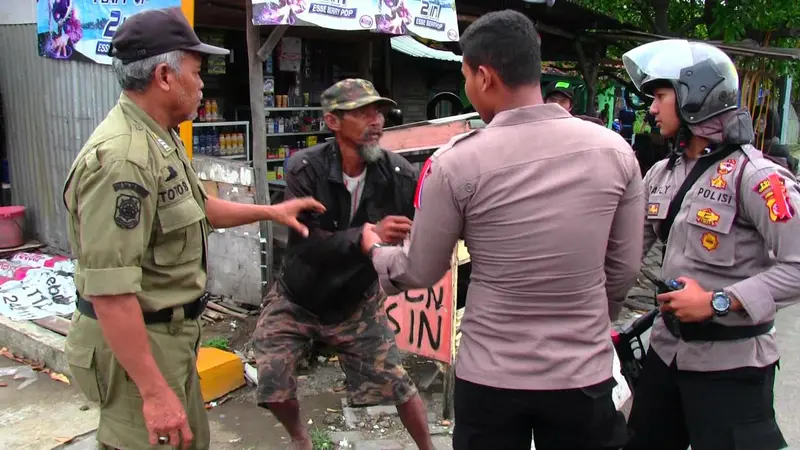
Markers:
102,379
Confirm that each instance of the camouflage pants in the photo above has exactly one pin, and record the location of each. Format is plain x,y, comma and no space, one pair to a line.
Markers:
364,342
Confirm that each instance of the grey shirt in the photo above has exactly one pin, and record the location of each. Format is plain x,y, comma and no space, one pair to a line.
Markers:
730,234
549,207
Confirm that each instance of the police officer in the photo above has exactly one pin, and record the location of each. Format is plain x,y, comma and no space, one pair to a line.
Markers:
554,248
138,225
727,215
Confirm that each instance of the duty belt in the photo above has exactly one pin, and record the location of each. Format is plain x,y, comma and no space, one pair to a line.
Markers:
709,331
191,310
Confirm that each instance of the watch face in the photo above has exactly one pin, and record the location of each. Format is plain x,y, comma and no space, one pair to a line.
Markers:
720,302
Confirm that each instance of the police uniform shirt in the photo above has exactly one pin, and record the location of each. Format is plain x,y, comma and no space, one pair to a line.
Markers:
736,231
549,207
137,221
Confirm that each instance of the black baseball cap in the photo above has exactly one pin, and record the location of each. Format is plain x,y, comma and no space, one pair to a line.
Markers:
156,32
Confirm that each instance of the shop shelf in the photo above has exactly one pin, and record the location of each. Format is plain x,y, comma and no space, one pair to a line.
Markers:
219,124
294,108
299,133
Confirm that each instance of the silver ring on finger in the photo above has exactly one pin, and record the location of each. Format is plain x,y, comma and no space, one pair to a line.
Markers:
163,440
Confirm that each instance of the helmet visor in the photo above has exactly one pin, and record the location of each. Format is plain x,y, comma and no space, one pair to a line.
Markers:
659,60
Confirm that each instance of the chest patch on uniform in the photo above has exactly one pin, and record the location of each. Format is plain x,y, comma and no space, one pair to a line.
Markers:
719,182
174,192
773,190
171,173
708,217
131,186
659,190
726,167
709,241
714,196
128,211
653,209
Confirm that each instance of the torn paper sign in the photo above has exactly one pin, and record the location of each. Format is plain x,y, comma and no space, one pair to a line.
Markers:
42,260
32,293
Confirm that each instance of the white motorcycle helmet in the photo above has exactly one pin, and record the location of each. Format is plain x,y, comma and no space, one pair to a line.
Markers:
704,78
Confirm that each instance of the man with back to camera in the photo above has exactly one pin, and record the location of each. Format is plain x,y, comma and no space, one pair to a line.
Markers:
562,93
727,216
554,249
328,290
138,224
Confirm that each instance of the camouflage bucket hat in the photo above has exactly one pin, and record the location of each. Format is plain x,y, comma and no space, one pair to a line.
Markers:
350,94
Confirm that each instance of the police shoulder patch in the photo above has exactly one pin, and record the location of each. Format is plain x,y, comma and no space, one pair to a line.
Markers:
772,190
128,211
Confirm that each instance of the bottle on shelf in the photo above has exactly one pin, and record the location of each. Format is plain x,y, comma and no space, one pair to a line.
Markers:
207,111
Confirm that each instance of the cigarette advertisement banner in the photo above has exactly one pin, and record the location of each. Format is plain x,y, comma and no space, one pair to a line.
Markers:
81,30
429,19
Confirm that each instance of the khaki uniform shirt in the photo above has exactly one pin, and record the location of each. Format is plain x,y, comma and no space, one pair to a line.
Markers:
137,221
728,235
548,205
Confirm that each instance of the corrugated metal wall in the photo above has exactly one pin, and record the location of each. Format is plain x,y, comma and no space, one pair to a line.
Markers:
51,108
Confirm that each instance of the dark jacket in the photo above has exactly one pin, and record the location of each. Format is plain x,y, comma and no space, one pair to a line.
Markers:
327,273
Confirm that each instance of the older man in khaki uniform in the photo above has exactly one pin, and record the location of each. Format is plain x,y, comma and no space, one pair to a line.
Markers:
138,222
554,248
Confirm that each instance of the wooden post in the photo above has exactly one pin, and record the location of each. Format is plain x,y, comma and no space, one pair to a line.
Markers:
259,151
449,381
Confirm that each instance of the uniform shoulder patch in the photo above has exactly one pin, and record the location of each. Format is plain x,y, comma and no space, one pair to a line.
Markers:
131,186
128,211
776,198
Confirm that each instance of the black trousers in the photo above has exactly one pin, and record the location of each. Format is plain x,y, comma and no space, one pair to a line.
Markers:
725,410
488,418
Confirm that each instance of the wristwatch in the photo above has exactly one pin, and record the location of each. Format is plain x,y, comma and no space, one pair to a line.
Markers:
721,303
375,246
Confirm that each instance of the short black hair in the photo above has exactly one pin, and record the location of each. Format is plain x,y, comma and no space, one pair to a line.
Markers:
507,42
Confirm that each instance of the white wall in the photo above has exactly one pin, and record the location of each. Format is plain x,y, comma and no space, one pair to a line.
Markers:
14,12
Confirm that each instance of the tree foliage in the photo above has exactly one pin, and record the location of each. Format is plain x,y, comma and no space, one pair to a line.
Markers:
734,20
763,22
774,23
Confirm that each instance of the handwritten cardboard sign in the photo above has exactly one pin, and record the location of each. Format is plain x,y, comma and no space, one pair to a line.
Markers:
422,320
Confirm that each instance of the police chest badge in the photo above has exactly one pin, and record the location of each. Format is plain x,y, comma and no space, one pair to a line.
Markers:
710,241
719,182
726,167
707,217
128,211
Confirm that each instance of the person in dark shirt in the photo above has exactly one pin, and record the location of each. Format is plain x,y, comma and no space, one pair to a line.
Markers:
328,289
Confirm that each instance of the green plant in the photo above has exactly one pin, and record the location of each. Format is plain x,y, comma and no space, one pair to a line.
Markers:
219,342
321,439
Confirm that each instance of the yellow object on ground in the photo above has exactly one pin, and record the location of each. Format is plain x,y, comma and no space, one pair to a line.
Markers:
220,372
